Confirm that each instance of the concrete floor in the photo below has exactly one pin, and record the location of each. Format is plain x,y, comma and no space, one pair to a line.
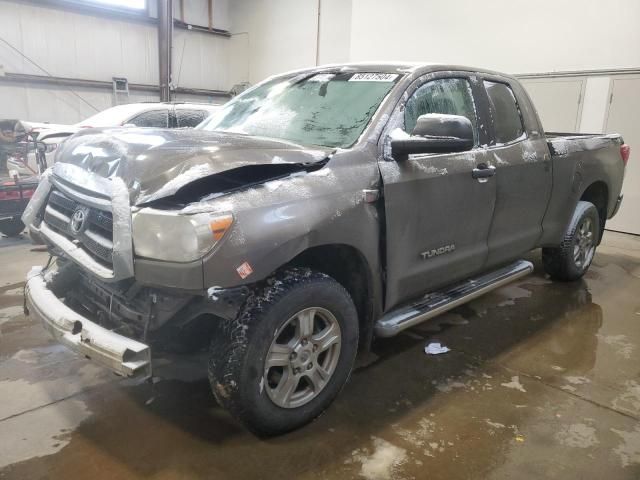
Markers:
542,381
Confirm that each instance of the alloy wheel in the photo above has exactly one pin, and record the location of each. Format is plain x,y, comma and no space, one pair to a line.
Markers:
584,246
302,357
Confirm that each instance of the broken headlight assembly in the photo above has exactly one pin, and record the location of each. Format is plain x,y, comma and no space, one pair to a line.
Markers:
165,235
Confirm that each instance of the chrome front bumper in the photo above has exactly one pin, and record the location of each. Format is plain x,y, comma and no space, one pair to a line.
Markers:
124,356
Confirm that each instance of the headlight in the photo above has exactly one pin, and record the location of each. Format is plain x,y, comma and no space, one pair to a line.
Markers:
50,147
164,235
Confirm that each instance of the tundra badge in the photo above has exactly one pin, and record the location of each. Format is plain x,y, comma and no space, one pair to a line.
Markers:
438,251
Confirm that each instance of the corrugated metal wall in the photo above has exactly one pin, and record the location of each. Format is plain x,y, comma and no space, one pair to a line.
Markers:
72,44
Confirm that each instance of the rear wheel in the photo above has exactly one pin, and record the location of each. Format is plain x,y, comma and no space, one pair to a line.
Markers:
572,258
11,228
288,354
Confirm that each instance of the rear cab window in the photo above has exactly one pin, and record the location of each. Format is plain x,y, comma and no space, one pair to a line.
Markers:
505,114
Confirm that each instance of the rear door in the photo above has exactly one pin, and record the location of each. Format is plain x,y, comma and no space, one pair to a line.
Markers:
437,215
523,177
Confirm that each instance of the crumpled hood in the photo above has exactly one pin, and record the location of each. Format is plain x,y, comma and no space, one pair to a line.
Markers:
156,163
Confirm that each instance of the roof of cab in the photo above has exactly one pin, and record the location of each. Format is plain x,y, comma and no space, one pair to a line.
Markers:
399,67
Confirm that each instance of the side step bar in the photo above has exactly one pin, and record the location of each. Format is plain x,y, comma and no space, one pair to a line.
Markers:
435,303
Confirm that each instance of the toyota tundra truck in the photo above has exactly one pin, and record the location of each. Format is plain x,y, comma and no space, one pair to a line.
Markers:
312,213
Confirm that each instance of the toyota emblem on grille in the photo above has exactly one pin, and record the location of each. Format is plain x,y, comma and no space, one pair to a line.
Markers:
77,220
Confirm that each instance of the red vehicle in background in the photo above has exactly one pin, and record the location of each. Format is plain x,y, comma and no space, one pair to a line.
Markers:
16,141
14,196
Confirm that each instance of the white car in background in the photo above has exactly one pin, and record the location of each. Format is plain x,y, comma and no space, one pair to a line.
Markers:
149,114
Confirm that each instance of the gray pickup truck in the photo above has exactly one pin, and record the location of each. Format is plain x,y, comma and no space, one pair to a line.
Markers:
312,213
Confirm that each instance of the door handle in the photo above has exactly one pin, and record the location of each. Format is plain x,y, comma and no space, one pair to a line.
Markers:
483,171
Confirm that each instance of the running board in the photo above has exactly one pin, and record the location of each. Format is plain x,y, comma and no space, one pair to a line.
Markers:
435,303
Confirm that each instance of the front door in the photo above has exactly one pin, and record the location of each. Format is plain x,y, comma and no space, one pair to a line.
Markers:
437,215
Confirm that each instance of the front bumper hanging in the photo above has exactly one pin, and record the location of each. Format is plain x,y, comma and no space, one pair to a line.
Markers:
123,355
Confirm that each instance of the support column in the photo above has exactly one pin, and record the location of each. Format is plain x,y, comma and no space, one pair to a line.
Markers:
165,39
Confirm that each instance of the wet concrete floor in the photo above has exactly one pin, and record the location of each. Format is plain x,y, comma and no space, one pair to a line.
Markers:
542,381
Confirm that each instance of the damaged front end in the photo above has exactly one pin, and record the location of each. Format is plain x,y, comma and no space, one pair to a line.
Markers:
85,220
123,355
129,251
117,324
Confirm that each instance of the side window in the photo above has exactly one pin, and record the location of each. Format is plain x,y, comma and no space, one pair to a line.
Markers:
507,121
189,118
451,96
152,118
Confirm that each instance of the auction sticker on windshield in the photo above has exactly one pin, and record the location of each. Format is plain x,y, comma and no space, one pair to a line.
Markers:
373,77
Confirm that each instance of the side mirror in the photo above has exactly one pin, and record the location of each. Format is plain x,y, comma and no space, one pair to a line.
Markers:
435,133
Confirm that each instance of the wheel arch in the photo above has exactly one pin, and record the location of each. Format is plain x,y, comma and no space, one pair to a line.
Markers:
597,193
349,267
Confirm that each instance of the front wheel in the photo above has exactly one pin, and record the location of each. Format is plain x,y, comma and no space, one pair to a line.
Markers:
572,258
288,354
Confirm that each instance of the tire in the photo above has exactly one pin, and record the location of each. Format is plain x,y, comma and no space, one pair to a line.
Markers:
272,317
11,228
571,260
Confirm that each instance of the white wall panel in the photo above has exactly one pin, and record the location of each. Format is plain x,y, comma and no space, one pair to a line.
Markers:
239,58
596,101
94,47
69,44
516,36
622,117
14,101
221,14
139,53
558,101
200,60
196,12
335,31
281,34
57,105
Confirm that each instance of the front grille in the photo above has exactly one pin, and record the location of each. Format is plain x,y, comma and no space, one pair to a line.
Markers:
94,233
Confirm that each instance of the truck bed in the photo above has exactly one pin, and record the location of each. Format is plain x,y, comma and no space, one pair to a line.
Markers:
564,143
581,160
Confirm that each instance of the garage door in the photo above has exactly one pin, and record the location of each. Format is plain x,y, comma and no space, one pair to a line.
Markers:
623,118
558,101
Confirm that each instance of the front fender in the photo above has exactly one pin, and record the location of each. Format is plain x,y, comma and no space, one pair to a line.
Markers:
278,220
